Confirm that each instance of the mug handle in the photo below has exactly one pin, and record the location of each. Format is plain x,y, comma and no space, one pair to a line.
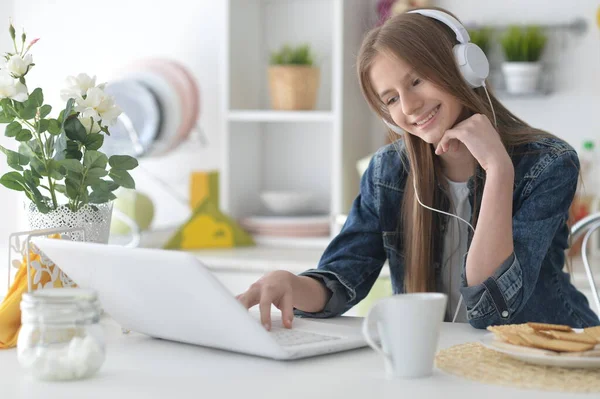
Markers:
135,229
366,331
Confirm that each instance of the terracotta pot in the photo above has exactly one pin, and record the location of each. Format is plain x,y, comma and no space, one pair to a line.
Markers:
293,87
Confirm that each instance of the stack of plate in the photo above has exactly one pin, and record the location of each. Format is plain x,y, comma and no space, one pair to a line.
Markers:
287,226
160,100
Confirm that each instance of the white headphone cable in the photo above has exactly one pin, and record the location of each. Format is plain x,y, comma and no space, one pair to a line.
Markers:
454,216
491,105
450,214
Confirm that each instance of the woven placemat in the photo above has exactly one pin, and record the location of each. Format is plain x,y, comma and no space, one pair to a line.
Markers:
478,363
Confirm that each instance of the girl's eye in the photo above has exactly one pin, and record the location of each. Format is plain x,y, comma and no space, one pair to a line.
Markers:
416,82
391,100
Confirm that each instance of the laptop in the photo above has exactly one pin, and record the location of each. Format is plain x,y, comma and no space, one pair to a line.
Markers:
171,295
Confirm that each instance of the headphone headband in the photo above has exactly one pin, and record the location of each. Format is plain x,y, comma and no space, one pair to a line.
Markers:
461,33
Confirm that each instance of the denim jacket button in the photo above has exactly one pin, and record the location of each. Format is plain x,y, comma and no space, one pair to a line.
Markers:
505,314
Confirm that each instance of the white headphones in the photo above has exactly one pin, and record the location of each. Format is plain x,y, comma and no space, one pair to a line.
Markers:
470,58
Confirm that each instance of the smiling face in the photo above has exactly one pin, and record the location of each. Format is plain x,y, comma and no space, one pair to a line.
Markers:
415,104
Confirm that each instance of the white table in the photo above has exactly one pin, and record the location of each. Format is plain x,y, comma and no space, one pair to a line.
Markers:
141,367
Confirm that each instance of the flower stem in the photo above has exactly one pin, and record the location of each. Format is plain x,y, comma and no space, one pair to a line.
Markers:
38,136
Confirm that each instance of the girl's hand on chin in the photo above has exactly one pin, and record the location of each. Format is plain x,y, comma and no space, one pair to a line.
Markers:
481,139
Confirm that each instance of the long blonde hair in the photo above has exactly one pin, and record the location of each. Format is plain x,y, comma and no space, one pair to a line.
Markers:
426,45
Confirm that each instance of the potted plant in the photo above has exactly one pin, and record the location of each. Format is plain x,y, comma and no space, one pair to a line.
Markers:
58,165
523,48
293,80
482,37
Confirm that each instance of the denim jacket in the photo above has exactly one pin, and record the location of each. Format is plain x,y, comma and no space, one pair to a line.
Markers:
528,286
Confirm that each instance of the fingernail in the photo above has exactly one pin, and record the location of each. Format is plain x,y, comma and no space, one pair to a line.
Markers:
267,326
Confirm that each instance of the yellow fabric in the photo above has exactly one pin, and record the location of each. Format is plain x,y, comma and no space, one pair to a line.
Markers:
10,311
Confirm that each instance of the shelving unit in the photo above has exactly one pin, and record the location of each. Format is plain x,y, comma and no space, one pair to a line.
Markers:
558,34
314,151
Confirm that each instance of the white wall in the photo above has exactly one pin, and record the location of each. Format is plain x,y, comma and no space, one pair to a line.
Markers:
99,37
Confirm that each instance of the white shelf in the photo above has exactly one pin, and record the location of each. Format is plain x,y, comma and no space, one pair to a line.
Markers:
280,116
317,243
316,150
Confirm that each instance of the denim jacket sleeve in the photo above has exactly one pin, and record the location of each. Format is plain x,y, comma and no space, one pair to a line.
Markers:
354,258
547,194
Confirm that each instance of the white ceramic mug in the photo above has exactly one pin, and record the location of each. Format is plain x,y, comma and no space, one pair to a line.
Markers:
408,327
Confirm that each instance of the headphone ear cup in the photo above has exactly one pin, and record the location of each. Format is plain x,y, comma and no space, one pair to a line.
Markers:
394,128
472,63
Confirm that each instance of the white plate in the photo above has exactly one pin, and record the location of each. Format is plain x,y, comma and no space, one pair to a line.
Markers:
171,106
140,105
287,221
540,356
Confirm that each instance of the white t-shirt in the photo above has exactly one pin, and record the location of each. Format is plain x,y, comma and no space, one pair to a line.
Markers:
455,248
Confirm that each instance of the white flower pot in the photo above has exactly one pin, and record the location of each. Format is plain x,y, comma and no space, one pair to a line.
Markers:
521,77
93,218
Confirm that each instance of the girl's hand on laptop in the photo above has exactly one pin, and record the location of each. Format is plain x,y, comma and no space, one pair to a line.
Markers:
273,288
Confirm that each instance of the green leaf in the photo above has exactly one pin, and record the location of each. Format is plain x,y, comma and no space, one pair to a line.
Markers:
75,130
36,174
26,150
94,159
50,145
24,135
73,155
14,159
14,181
94,141
100,185
72,165
104,185
65,113
42,206
45,110
96,173
39,167
28,112
122,162
56,170
100,197
61,188
13,129
72,188
6,115
6,118
42,125
60,147
31,179
122,178
36,98
54,126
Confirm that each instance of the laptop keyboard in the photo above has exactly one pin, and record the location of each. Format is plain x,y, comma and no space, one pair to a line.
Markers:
292,337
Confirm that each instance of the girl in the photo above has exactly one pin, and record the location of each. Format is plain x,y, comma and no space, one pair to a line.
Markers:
470,201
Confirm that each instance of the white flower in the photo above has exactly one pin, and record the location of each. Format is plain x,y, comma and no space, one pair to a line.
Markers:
18,66
77,86
98,105
12,88
89,124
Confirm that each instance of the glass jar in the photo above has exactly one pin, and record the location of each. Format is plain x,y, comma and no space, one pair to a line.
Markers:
60,337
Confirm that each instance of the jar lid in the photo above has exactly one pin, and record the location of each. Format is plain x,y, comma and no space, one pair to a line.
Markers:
60,305
59,296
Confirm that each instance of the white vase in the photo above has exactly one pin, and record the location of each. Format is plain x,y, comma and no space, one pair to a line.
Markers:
93,218
521,77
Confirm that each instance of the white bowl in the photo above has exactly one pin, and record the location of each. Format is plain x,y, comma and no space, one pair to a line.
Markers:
289,202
